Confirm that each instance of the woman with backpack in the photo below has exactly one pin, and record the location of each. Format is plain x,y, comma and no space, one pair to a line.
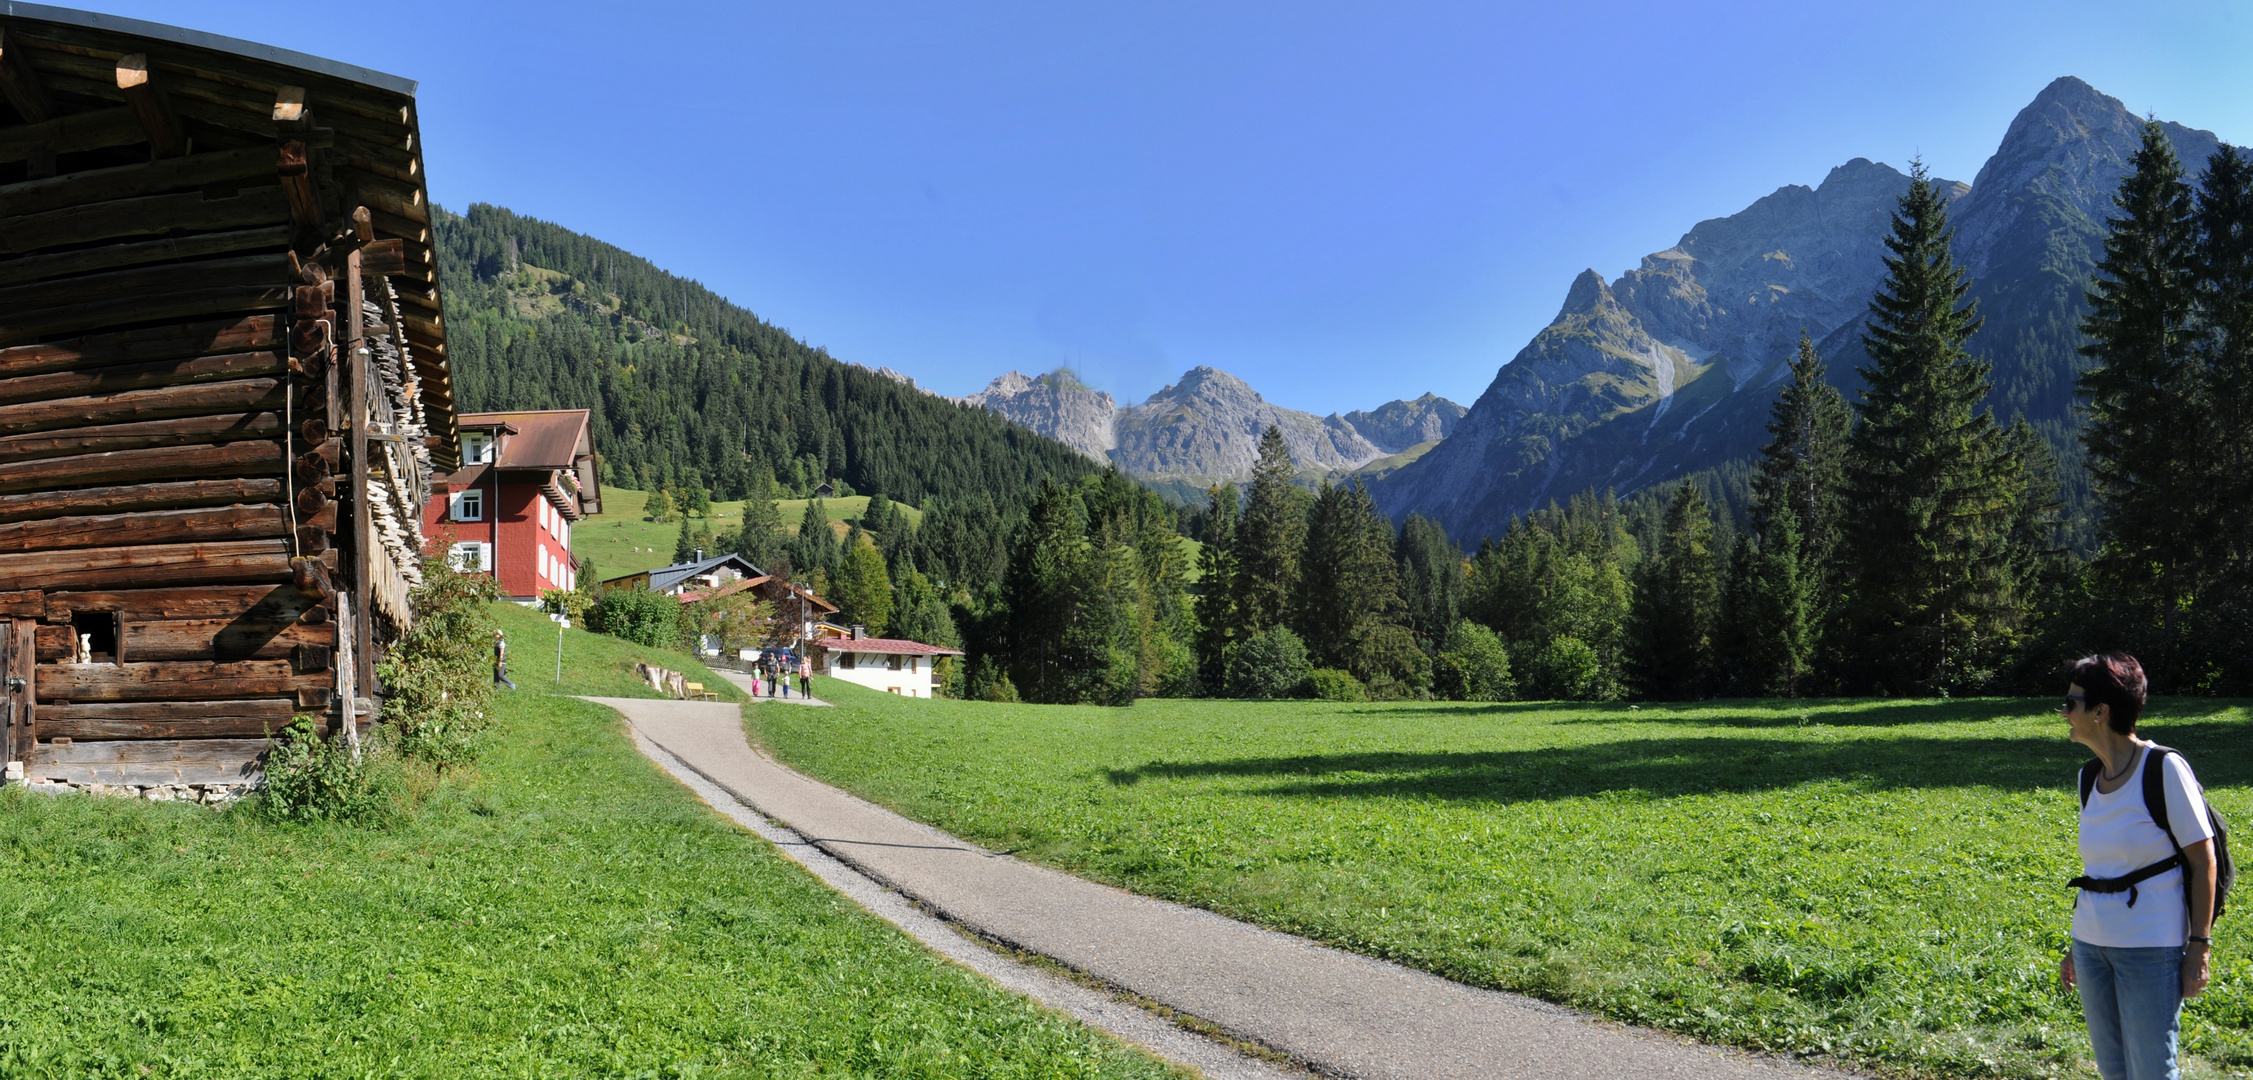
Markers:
2144,915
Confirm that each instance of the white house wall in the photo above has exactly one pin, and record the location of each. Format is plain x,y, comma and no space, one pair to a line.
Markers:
869,670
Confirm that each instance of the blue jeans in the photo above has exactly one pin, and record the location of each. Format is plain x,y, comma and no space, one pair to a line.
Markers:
2133,999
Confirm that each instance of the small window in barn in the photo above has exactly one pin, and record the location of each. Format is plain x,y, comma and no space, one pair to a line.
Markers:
892,661
469,505
845,661
95,636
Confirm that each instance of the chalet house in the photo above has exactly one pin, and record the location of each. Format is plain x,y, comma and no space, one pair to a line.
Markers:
701,578
223,391
525,479
893,665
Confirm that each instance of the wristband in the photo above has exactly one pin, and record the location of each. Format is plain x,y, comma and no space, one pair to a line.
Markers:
2201,940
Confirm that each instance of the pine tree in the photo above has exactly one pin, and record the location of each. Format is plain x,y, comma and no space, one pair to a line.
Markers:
1677,603
1348,609
1932,479
815,547
761,540
919,613
695,536
1270,538
1431,578
864,590
2148,470
1219,622
1802,470
1776,608
2224,290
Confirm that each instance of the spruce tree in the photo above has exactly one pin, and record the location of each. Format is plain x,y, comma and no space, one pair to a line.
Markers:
1219,622
2224,289
864,590
1802,470
1777,607
1348,608
761,540
1270,538
1677,603
1431,578
2146,463
1932,480
815,547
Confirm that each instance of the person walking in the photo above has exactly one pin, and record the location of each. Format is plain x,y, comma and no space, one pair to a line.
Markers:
2143,918
806,678
500,661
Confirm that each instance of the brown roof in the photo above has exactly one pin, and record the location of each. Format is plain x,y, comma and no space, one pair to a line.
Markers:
887,645
543,439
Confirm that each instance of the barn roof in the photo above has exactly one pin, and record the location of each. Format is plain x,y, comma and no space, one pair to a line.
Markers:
887,645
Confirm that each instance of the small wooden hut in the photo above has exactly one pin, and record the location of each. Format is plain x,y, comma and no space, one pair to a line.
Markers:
223,388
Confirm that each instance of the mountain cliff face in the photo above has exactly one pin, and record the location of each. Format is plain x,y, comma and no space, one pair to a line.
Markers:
1206,428
1398,425
1672,368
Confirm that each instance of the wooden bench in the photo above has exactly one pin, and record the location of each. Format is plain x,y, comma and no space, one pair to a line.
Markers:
696,692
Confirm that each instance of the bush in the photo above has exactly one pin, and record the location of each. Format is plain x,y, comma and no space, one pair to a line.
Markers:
1568,670
438,677
641,616
1473,666
312,779
1269,664
1330,684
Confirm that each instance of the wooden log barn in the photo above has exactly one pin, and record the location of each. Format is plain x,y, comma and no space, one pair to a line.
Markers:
223,388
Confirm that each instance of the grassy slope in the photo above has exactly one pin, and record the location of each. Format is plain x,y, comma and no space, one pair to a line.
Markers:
1877,881
568,910
622,543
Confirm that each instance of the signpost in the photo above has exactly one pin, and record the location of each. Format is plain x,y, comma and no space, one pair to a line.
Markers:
562,623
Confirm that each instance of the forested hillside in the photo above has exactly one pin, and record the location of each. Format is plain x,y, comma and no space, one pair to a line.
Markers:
691,391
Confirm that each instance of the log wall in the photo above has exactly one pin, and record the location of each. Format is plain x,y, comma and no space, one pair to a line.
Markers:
222,380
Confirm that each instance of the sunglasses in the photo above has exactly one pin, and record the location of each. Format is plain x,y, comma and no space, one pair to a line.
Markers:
2070,700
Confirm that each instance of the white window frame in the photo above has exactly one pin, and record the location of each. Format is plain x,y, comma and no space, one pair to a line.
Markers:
468,505
471,556
477,447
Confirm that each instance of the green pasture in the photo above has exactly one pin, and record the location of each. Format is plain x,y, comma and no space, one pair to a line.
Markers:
1875,882
622,543
565,910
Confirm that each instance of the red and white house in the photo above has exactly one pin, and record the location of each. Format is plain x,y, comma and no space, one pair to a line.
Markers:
893,665
526,477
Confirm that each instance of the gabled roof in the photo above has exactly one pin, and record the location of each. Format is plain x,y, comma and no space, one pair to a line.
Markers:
665,577
541,439
887,645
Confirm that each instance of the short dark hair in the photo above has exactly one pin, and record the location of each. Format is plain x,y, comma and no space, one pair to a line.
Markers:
2115,679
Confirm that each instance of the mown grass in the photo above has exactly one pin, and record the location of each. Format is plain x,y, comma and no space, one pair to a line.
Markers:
566,910
1874,882
621,542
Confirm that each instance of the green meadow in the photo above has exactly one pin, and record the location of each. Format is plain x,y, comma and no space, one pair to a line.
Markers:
622,543
564,910
1879,883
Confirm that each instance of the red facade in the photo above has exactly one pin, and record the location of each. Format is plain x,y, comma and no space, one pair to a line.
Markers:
527,478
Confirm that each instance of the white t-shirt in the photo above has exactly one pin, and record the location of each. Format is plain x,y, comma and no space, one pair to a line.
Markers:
2118,838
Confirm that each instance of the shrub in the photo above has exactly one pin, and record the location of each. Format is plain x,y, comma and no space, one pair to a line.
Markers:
1330,684
1473,666
641,616
438,677
312,779
1269,664
1568,670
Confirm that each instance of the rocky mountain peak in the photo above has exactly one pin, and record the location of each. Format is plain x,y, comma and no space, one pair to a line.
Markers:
1588,291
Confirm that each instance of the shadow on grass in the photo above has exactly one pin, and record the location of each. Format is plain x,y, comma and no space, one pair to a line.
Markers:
1667,767
1761,713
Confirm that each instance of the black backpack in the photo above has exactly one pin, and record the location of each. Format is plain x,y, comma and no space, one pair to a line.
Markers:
2155,802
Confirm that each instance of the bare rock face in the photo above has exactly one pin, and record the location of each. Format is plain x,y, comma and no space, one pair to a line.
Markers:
1055,405
1397,425
1207,428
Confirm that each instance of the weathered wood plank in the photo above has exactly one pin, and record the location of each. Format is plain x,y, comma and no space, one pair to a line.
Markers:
277,603
244,334
169,496
188,211
135,181
239,459
155,527
189,431
149,106
20,83
24,326
124,377
23,604
72,133
163,403
83,260
147,565
176,680
254,718
149,762
223,639
262,269
54,643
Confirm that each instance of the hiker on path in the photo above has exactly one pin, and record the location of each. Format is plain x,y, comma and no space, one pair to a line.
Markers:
2144,915
500,661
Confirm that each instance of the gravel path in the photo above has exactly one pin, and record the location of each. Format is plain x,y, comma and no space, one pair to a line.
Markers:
1334,1012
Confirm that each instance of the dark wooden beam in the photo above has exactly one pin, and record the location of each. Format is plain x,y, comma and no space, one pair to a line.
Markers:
262,269
190,431
133,181
124,377
20,84
164,403
70,133
166,496
131,346
149,565
297,186
249,718
169,249
248,458
159,526
149,106
185,212
79,318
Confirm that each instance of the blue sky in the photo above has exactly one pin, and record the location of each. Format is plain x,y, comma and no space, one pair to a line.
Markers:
1342,204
